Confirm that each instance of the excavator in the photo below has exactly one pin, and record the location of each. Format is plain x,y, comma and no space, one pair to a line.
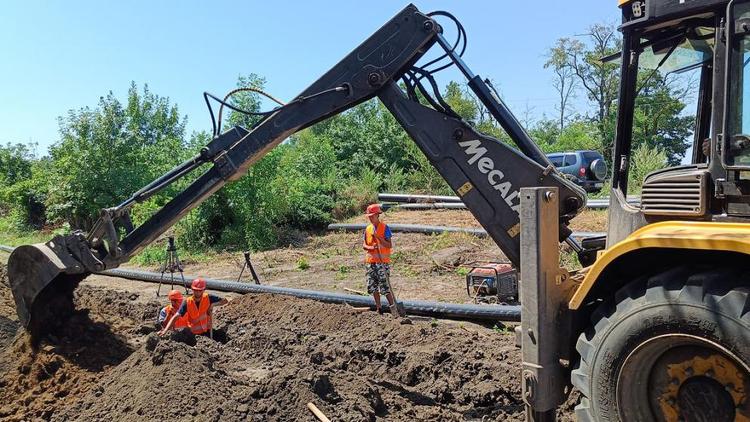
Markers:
656,327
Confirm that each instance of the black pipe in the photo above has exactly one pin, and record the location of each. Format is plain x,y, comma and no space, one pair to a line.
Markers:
420,228
405,197
505,313
436,201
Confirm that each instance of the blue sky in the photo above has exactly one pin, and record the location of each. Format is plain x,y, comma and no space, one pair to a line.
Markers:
58,56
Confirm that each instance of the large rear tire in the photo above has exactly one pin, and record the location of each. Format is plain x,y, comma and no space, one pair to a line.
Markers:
675,346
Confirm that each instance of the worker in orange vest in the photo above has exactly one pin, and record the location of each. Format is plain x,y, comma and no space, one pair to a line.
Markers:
377,245
196,309
166,313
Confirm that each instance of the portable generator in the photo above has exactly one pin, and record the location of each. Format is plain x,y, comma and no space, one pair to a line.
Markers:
492,282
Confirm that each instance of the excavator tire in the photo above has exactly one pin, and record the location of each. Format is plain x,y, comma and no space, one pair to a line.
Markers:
672,346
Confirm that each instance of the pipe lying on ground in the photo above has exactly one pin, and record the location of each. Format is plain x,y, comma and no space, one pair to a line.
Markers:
594,204
426,206
505,313
442,202
420,228
403,197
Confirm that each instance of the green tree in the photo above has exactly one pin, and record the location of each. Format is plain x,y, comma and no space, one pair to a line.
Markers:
645,160
565,81
24,183
15,163
658,121
107,153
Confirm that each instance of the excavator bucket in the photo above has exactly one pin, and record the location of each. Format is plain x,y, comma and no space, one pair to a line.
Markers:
42,278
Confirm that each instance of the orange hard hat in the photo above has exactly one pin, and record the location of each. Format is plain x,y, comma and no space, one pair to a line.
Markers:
175,295
198,284
373,209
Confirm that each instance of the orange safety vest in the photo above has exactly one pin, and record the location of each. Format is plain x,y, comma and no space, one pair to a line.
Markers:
381,254
198,317
180,322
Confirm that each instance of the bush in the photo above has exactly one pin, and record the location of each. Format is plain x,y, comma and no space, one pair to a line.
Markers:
644,160
356,194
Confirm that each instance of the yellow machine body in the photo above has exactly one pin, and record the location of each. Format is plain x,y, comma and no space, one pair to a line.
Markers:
713,236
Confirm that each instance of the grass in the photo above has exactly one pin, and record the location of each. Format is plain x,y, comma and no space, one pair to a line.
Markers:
10,235
156,254
303,264
569,259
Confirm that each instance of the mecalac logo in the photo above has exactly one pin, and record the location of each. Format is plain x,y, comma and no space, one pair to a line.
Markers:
494,176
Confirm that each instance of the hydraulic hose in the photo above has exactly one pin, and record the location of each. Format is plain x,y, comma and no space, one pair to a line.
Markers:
420,228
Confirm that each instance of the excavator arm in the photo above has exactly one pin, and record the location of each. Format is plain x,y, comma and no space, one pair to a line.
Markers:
484,171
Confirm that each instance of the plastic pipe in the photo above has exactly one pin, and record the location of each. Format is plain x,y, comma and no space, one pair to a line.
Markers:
419,228
505,313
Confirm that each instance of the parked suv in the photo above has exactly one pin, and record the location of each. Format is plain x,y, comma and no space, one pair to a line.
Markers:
586,168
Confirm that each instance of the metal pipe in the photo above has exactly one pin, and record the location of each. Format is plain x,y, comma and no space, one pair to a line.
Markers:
405,197
426,206
416,202
420,228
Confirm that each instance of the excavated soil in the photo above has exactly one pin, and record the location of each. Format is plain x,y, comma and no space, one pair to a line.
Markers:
279,354
38,381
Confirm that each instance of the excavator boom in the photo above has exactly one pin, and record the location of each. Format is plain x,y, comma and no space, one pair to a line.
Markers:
484,171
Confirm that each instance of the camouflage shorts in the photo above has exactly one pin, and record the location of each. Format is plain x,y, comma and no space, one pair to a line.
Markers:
376,278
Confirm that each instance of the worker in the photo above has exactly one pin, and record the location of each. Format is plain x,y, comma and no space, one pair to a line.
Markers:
166,313
196,310
377,245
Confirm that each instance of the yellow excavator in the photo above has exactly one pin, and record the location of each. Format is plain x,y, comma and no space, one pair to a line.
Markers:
657,325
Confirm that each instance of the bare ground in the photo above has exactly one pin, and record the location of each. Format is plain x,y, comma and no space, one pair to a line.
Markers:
281,352
425,267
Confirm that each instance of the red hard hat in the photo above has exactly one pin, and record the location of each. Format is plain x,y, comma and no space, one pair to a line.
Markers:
373,209
198,284
175,295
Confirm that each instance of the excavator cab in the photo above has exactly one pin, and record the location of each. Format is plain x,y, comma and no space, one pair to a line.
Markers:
662,314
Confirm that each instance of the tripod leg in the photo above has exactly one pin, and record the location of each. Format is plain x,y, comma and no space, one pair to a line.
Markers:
161,277
179,268
242,271
252,270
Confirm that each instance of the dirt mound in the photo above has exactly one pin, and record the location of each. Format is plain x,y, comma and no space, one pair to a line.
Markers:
283,352
280,353
162,380
7,306
37,382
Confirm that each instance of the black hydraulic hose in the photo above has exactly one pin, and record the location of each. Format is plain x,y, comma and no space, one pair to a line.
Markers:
421,228
505,313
